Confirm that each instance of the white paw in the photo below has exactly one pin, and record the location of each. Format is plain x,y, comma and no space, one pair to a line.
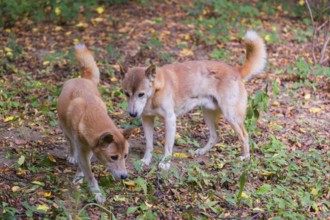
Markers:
164,166
71,159
78,180
201,151
99,198
146,161
246,157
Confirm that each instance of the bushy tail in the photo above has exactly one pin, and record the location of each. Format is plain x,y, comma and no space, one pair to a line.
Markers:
87,65
255,55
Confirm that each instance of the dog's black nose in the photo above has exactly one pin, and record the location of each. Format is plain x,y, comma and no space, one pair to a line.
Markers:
123,176
134,114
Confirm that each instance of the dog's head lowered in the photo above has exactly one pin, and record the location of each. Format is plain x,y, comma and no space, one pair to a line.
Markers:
112,150
137,85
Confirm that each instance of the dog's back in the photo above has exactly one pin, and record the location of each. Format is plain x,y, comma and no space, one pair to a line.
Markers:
79,95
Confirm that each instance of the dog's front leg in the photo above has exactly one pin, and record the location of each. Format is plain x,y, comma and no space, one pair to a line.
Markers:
148,127
85,167
170,129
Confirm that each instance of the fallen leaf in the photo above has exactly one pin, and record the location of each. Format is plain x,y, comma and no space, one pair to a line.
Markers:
129,183
43,207
186,52
15,188
38,183
307,96
314,110
100,10
180,155
21,160
51,158
9,118
158,151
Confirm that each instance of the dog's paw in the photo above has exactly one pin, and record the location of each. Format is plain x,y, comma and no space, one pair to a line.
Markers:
245,157
78,180
201,151
146,161
99,198
71,159
164,166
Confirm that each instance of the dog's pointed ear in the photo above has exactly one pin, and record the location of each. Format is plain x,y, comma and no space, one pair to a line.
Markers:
127,132
151,72
122,69
105,139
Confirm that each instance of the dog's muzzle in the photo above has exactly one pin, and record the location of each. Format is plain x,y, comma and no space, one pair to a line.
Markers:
134,114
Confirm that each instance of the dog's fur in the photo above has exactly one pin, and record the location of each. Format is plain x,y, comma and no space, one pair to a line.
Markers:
86,125
174,89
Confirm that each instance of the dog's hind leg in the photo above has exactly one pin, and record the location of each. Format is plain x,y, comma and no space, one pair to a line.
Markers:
243,136
71,156
235,117
148,127
211,119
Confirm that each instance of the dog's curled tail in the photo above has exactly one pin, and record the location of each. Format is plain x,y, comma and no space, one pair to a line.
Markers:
87,65
255,55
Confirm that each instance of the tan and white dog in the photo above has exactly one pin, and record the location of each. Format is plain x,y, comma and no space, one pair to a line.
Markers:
174,89
86,125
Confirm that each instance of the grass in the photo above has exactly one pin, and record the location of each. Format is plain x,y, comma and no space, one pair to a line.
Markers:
287,177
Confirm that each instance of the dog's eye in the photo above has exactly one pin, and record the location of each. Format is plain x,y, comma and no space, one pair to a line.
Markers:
126,93
125,156
141,94
114,157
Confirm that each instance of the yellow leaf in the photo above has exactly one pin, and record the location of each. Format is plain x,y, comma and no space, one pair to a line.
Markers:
38,183
275,104
180,155
21,160
76,40
98,19
314,192
15,188
244,195
113,79
301,2
43,207
58,28
158,151
307,96
258,209
57,11
100,10
314,110
68,33
7,49
45,63
186,52
267,38
266,173
51,158
129,183
82,25
149,205
48,194
119,198
187,37
9,118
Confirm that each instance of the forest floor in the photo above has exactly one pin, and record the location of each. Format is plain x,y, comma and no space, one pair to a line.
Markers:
288,119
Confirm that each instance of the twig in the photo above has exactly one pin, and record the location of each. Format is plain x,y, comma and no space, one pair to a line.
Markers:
314,30
327,39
